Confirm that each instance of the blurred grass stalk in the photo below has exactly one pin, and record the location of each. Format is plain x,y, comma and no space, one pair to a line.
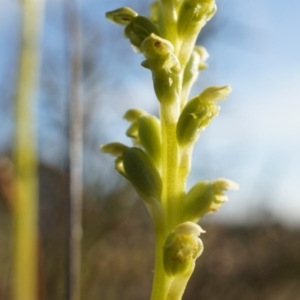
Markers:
73,26
25,205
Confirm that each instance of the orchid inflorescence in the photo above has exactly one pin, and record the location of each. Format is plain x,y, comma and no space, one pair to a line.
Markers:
160,160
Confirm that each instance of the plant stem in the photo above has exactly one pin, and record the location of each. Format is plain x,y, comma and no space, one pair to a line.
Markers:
184,167
169,22
179,283
172,192
161,282
25,205
75,152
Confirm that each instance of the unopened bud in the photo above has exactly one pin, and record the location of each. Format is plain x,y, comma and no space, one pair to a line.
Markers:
133,114
203,55
142,173
155,47
195,64
154,11
119,166
198,113
133,130
193,16
215,93
121,16
150,137
139,29
114,149
164,65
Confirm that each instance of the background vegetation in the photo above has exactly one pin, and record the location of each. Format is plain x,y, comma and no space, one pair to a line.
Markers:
261,261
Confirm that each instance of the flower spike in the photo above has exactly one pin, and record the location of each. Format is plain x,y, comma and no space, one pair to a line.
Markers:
159,162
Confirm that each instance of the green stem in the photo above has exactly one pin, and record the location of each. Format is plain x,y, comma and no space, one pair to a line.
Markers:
186,89
179,283
184,95
185,164
169,22
172,191
164,286
161,282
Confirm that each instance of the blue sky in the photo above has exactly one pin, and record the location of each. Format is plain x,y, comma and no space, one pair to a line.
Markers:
254,46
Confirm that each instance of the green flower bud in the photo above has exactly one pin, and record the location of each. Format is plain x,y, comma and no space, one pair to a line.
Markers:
203,55
164,65
133,114
195,64
119,166
150,137
198,113
121,16
215,93
138,30
143,175
193,16
157,48
114,149
182,247
133,130
191,70
206,197
154,9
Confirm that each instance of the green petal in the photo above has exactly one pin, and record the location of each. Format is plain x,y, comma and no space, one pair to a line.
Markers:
165,67
205,197
133,114
114,149
139,29
193,16
141,172
150,137
182,247
198,113
121,16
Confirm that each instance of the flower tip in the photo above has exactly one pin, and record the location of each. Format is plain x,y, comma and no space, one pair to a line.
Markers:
202,52
121,16
215,93
154,44
114,149
228,89
224,91
189,228
233,186
226,184
133,114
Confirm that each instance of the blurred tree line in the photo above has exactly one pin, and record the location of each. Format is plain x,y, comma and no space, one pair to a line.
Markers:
256,262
